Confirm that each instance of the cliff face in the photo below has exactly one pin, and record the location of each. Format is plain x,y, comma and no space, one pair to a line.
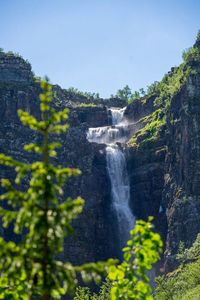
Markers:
94,237
14,69
164,172
164,167
146,167
181,194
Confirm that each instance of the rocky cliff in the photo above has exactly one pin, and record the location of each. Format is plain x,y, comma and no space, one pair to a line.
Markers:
163,156
94,237
181,193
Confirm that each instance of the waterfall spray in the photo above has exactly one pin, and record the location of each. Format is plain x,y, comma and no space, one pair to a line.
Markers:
117,169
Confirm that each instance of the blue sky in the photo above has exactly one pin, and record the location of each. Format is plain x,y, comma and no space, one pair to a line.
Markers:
100,45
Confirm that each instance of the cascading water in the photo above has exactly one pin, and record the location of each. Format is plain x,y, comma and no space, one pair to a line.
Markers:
117,170
108,134
117,115
120,190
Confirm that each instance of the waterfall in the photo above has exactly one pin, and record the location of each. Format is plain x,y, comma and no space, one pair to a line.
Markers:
117,115
120,190
108,134
117,169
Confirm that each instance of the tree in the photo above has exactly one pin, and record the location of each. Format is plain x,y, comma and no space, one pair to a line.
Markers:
183,282
135,95
124,93
142,92
31,268
197,43
153,88
130,280
84,293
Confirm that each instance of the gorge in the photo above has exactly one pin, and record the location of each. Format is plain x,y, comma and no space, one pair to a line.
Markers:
136,161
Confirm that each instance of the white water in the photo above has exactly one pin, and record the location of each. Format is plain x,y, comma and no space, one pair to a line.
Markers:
117,170
117,115
120,190
108,134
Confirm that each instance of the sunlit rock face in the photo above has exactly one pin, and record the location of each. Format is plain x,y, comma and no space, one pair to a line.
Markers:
94,230
14,69
163,178
181,195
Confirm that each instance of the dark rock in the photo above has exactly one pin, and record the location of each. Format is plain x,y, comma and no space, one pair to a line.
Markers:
139,109
95,230
14,69
164,173
181,194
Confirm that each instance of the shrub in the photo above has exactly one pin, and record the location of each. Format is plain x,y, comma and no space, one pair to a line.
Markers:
31,268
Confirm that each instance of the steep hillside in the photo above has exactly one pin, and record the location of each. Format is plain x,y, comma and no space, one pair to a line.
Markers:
163,155
91,241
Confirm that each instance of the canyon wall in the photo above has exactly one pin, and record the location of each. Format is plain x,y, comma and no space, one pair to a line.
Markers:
164,173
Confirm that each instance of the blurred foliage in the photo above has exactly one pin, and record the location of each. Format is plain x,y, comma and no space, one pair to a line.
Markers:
87,105
128,96
84,293
184,282
129,280
76,93
31,269
125,93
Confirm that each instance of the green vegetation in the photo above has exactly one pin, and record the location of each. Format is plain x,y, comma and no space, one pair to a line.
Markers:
150,131
198,36
125,93
191,55
153,89
76,93
184,282
129,280
163,92
87,105
11,54
128,96
31,269
84,293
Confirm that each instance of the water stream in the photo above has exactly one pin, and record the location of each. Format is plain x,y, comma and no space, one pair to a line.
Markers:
117,169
